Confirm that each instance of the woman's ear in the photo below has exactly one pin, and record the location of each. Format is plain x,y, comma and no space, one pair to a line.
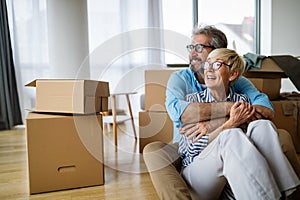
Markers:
233,76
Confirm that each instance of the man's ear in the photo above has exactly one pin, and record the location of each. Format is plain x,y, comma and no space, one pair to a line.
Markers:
233,75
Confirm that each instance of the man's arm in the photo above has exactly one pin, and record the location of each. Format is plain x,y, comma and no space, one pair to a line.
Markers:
185,112
178,86
196,112
263,106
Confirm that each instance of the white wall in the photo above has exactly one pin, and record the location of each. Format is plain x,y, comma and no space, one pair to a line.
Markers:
280,31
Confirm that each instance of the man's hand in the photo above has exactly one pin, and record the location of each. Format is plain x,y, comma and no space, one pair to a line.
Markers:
196,130
262,112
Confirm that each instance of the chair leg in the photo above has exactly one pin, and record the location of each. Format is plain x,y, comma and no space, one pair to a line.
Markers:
131,116
114,114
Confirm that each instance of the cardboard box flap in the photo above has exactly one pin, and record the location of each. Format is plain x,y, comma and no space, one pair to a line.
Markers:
90,88
267,69
31,84
291,67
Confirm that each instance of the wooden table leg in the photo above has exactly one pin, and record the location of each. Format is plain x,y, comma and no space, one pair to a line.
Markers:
131,116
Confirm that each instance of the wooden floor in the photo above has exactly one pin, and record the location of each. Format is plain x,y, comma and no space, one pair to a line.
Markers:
125,171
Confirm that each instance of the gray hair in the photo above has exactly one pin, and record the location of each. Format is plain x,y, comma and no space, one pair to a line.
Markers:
218,38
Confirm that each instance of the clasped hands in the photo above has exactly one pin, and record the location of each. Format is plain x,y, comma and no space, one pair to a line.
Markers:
241,113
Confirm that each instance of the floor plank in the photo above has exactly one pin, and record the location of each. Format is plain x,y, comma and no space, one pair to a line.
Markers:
126,176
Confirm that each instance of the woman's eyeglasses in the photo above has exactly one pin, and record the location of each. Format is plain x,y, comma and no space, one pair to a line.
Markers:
215,65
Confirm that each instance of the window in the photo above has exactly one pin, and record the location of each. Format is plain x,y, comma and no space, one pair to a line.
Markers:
234,17
178,25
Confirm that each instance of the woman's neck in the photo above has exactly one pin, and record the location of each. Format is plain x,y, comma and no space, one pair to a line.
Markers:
219,94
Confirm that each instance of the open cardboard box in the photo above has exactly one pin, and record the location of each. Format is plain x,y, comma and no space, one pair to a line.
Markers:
267,79
70,96
268,69
64,151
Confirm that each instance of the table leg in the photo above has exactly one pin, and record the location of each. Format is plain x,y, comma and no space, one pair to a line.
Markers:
131,116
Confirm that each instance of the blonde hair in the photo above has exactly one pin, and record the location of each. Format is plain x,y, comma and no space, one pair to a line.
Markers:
229,57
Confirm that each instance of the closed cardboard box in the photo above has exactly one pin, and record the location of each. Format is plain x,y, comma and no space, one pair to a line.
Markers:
155,88
64,151
287,116
71,96
269,86
154,126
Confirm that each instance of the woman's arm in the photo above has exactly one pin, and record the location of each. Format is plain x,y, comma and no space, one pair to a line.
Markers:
239,114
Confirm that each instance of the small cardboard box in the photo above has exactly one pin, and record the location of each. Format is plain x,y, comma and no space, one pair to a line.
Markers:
287,116
154,126
269,86
64,151
155,89
70,96
268,69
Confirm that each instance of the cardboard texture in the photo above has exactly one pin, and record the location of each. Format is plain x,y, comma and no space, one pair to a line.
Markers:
269,86
70,96
287,116
155,88
154,126
268,69
64,151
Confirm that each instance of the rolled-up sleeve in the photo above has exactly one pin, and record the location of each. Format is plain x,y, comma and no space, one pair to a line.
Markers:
175,97
245,86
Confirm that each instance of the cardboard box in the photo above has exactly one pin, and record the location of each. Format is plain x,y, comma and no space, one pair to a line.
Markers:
154,126
287,116
269,86
268,69
64,151
155,88
70,96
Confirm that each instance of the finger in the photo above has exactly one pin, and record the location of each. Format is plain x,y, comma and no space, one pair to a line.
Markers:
193,134
250,115
198,137
191,131
197,132
181,131
235,105
188,126
257,115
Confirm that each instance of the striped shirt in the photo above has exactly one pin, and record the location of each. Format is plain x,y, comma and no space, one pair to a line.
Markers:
188,150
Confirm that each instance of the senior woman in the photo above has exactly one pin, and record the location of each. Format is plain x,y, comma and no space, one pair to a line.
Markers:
249,158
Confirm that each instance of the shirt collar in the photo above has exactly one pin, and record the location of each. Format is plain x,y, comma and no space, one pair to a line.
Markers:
212,99
200,87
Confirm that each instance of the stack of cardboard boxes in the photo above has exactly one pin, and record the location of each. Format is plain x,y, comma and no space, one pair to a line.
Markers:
155,124
64,135
287,110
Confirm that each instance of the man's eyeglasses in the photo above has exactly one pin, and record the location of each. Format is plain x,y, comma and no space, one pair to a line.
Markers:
198,47
215,65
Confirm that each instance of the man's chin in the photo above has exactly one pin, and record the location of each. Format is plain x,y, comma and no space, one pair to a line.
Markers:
195,68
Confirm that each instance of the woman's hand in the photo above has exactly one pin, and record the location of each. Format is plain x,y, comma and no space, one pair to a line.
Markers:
240,113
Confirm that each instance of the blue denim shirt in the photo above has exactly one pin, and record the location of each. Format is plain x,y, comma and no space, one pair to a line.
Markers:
184,82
